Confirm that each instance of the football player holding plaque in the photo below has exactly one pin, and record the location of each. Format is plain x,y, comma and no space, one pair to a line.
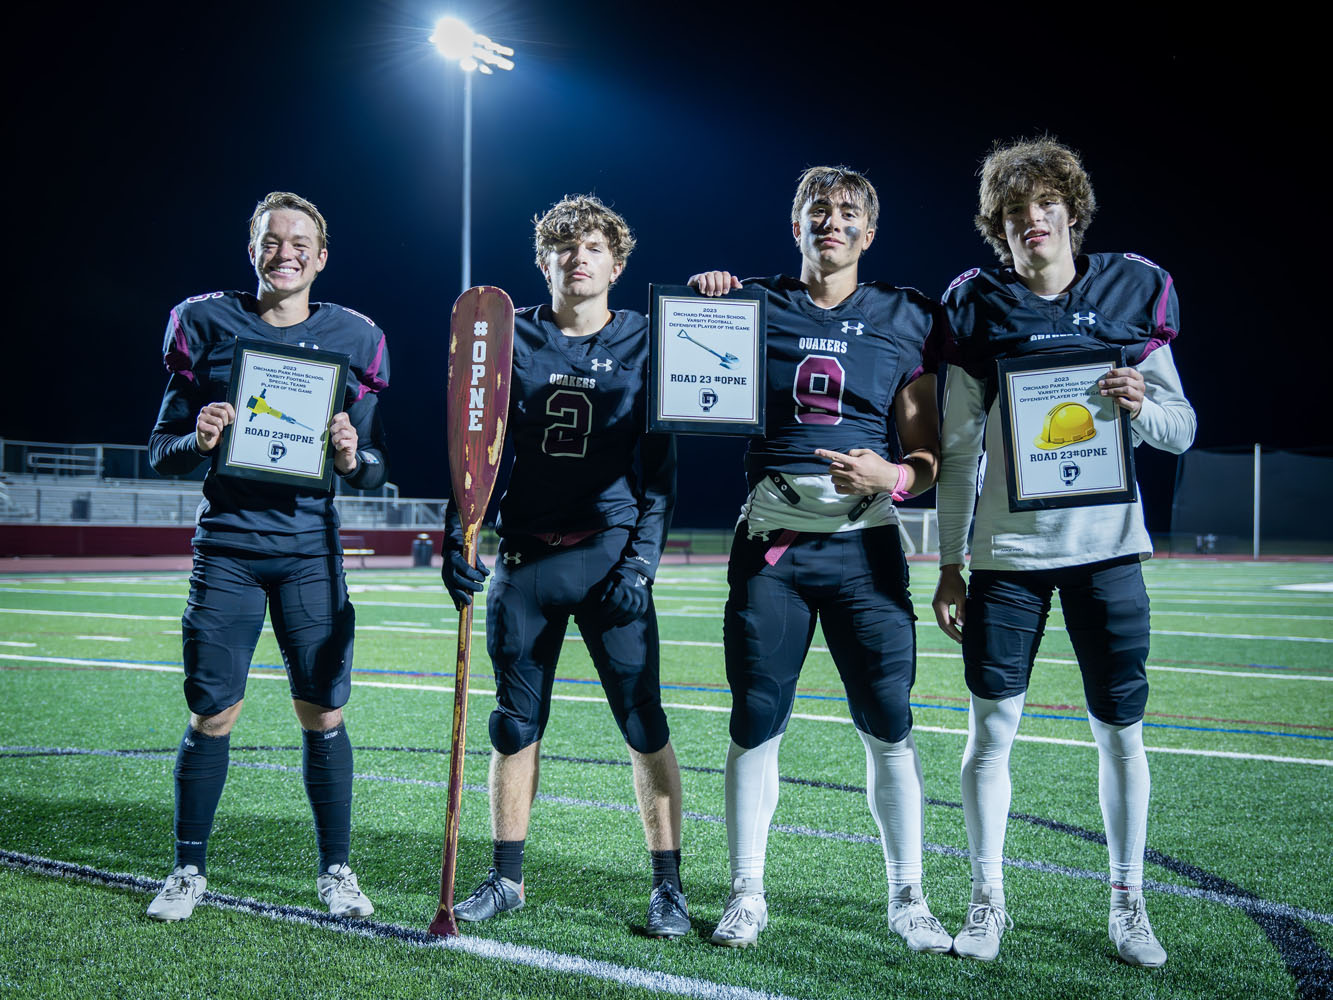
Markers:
284,398
706,367
1065,444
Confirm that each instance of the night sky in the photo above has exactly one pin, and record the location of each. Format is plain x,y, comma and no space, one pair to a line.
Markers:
145,134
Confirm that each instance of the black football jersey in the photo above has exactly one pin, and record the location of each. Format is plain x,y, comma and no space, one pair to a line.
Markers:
197,350
577,417
1117,300
832,374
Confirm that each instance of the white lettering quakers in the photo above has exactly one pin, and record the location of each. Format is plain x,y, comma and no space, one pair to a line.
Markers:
477,397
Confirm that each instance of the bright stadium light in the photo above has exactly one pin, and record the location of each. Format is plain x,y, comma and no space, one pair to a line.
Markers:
472,52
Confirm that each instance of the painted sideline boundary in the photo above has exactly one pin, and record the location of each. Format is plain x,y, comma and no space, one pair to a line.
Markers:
478,947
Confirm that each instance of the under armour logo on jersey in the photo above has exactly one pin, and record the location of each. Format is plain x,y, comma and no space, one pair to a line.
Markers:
513,558
479,328
850,327
1088,317
756,536
601,366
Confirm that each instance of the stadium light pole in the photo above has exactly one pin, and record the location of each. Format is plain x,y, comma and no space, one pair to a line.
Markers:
473,53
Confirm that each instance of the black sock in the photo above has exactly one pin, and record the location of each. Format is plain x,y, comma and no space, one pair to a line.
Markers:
666,867
508,859
326,765
201,771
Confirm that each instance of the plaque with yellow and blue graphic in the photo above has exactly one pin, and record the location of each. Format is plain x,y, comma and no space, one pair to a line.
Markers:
1065,444
284,397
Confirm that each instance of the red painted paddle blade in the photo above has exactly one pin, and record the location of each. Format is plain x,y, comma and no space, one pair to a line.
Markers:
481,357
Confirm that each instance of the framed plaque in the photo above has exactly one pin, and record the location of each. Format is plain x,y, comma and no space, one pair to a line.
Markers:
284,398
1065,444
706,361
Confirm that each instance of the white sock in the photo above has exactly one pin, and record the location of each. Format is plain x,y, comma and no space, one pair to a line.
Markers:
991,728
893,788
752,797
1123,785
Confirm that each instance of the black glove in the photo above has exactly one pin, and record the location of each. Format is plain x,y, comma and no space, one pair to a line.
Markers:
460,579
625,596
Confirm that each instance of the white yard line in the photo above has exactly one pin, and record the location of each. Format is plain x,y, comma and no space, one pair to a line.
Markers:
665,642
480,947
475,692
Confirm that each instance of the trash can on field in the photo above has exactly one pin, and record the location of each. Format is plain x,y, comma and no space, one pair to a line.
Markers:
422,550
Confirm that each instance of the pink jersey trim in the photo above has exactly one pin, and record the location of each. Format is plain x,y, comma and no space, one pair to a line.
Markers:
178,357
370,379
1162,334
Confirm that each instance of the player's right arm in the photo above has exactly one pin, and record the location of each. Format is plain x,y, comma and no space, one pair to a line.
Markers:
714,283
956,492
189,425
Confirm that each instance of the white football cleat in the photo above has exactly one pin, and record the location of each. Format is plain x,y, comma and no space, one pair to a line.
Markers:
338,889
746,914
1132,935
983,927
183,888
910,918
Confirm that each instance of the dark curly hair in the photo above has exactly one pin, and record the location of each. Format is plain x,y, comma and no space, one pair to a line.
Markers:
1018,170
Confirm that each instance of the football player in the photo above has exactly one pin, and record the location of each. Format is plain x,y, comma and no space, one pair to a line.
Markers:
581,533
1036,203
851,427
261,544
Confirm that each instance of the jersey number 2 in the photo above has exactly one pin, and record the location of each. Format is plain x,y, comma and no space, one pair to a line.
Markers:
567,434
818,390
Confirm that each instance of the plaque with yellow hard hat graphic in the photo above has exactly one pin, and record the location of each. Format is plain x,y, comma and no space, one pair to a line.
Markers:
1065,444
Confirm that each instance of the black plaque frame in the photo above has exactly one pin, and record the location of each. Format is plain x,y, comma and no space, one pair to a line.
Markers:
315,419
663,298
1121,436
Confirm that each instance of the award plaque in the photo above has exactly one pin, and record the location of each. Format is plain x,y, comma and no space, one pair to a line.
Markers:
284,398
706,361
1065,444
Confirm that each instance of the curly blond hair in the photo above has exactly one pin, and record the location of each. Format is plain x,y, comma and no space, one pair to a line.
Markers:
574,217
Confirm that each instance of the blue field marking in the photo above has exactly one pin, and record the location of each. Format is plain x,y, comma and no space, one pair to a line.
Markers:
593,682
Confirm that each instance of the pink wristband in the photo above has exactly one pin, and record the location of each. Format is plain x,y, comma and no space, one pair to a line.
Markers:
897,491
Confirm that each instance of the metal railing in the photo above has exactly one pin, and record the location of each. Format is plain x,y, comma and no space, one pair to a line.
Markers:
121,463
84,502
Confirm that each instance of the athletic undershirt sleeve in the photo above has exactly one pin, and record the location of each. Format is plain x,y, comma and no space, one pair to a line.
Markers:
371,470
1166,420
657,500
964,424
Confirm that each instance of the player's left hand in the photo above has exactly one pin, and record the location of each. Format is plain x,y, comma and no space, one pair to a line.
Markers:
343,436
625,596
1125,386
859,472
